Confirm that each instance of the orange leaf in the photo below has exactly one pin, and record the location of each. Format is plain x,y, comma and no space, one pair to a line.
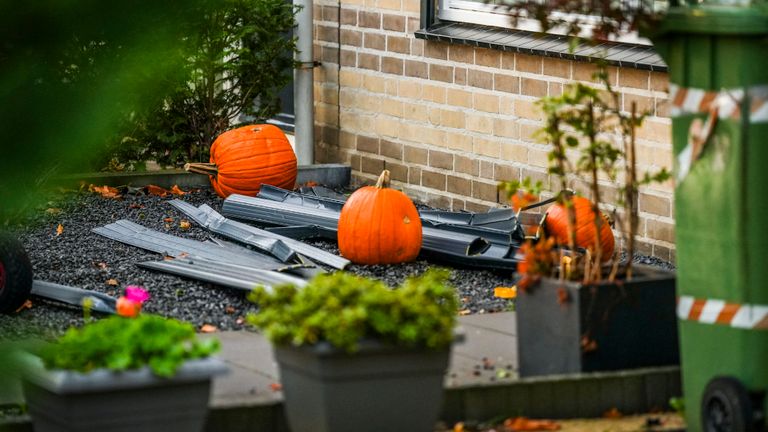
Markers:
613,413
184,224
523,199
518,424
458,427
136,206
27,305
168,220
229,310
505,292
176,190
310,184
208,328
276,387
157,190
105,191
112,282
59,230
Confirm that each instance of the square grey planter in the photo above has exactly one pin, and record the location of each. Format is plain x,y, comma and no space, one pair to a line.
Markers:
107,401
379,388
602,327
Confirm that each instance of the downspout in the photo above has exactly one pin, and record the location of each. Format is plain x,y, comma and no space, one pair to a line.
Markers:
303,85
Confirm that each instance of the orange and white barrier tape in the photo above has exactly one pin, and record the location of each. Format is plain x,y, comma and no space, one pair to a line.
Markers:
713,311
724,104
727,102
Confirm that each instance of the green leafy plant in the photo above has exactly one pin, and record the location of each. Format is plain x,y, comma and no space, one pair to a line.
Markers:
118,343
238,57
344,309
590,135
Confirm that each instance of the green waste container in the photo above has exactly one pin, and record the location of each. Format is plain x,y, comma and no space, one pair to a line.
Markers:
718,64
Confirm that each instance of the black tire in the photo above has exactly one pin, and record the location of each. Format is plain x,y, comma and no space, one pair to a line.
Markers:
15,274
727,407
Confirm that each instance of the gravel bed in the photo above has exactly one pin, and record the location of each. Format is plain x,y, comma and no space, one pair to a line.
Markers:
80,258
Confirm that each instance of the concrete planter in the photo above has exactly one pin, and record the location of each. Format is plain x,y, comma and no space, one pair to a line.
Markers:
598,328
107,401
379,388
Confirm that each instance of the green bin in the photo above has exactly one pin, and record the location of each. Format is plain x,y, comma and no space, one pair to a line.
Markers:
718,63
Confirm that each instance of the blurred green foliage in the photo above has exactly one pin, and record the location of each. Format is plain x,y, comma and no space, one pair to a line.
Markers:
343,309
70,71
76,75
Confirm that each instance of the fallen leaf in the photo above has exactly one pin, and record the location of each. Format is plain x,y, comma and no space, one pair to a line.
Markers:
112,282
27,305
505,292
136,206
588,344
464,312
208,328
310,184
176,190
276,387
157,191
185,225
168,220
53,211
100,265
105,191
613,413
168,258
239,321
562,296
59,230
458,427
519,424
229,310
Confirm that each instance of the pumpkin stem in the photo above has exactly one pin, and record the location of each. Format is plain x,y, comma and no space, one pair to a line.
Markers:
383,181
202,168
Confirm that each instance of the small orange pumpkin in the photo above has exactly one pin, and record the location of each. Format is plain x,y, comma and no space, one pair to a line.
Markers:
379,225
557,226
243,159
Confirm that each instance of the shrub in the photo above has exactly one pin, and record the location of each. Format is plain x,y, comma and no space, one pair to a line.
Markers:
343,309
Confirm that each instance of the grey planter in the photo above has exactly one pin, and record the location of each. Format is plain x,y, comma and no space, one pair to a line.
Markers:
599,328
380,388
107,401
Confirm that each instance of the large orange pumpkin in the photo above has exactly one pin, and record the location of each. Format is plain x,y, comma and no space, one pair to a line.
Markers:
379,225
557,226
243,159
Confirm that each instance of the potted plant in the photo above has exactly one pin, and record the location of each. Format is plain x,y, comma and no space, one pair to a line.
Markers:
349,347
582,307
125,372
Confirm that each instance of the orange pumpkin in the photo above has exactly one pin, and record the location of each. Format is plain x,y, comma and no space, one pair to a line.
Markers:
379,225
243,159
557,226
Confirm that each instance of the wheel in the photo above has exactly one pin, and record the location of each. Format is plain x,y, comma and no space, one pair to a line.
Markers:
15,274
727,407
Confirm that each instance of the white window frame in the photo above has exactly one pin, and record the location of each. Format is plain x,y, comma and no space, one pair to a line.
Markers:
486,14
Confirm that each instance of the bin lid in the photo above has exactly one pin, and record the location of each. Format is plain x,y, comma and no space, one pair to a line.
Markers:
722,17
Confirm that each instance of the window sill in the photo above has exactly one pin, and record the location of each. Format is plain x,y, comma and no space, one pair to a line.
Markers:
525,42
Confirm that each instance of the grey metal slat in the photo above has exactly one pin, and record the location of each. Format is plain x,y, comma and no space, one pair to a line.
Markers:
100,302
211,219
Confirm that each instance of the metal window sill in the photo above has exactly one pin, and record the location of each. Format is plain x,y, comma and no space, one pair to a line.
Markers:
558,46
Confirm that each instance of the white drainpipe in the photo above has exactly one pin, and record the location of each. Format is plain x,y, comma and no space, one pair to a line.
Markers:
303,85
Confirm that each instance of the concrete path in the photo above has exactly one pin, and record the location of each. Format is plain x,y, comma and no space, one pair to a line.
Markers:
488,354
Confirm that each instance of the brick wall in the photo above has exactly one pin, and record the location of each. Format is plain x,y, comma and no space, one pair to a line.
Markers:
450,121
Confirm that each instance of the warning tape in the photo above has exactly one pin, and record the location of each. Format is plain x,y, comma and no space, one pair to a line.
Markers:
713,311
727,102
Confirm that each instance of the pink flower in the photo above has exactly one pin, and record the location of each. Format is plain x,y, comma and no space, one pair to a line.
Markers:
136,294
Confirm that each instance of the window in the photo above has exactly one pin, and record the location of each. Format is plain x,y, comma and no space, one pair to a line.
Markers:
489,13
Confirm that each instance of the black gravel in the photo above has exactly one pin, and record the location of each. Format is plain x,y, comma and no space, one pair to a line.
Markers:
80,258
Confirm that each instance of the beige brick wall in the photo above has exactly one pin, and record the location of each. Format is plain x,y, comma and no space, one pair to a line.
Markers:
451,121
